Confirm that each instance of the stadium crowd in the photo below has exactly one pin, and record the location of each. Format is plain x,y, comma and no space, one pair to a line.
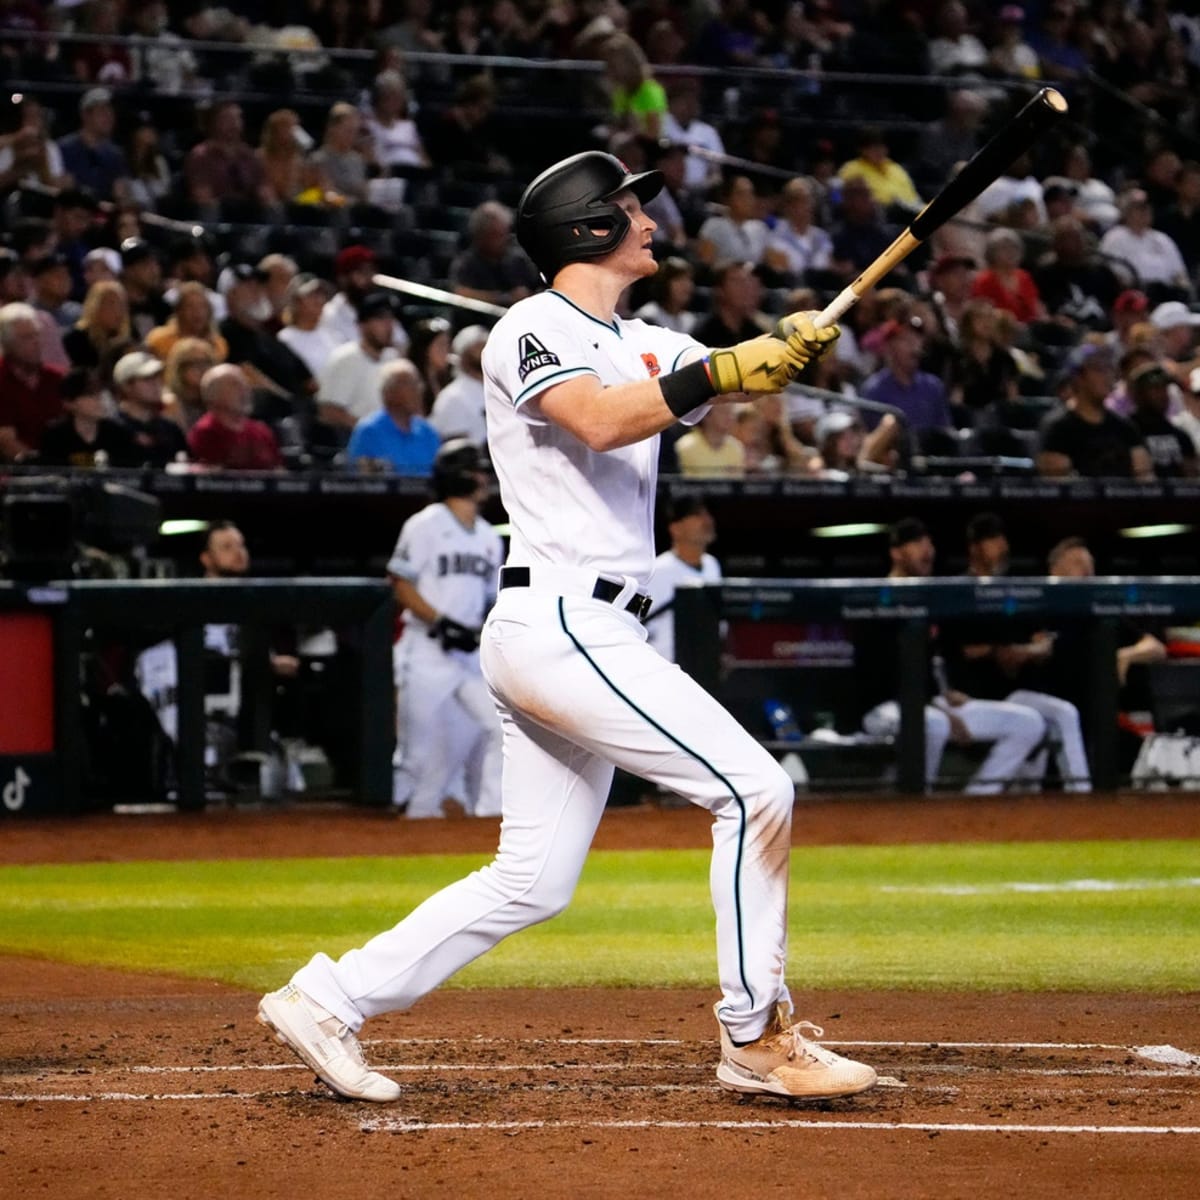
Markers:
188,278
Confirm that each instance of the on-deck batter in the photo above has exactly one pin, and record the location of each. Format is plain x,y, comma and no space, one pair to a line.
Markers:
576,397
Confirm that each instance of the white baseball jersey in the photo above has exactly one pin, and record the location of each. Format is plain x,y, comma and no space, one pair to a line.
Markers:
570,506
454,568
671,573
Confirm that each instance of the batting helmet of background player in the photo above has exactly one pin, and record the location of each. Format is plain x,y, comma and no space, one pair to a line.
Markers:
567,213
457,467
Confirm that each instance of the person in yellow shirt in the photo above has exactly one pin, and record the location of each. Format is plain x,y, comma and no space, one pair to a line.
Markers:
711,448
889,182
639,102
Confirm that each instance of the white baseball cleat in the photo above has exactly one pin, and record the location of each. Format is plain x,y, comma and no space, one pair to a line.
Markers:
325,1043
783,1062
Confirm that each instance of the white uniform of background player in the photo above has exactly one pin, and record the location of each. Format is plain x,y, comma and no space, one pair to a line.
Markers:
685,564
450,556
576,398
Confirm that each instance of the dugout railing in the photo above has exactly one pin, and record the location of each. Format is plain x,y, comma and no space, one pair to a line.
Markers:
911,607
46,630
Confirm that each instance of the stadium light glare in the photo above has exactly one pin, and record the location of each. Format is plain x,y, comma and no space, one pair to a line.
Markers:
1156,531
173,528
856,529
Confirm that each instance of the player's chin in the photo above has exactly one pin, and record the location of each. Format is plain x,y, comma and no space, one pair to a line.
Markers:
647,264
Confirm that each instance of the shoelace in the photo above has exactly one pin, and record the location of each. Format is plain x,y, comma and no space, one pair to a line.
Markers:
800,1046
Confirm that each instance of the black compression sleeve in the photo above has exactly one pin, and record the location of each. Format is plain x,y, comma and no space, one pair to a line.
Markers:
687,388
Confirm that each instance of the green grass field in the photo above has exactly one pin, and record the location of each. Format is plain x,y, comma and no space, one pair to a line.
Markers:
1075,916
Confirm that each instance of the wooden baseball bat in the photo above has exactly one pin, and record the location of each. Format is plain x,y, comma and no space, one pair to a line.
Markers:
987,164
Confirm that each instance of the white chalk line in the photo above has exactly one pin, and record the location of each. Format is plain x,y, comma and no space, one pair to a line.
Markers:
97,1097
1037,888
403,1126
926,1044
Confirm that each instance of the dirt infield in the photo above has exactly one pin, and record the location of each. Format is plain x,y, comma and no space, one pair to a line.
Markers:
119,1085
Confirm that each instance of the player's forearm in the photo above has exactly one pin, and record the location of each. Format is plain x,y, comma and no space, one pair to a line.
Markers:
607,418
410,600
1147,649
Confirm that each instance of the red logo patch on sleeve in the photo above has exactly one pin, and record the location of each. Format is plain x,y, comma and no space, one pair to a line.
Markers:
651,361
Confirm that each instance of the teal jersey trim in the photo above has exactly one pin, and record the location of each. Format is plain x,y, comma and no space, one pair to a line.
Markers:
737,871
540,385
613,328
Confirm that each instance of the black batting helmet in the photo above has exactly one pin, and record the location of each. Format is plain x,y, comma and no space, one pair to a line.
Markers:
564,207
456,466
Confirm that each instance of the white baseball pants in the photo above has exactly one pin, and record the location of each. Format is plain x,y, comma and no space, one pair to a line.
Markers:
1062,718
434,686
579,691
1012,729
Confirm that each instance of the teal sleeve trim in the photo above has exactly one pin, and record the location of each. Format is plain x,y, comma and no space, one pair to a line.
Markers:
546,380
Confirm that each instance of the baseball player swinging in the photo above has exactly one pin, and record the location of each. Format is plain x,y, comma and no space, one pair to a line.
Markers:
443,570
576,398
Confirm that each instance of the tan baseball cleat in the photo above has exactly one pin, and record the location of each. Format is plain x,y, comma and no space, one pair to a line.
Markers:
325,1043
783,1062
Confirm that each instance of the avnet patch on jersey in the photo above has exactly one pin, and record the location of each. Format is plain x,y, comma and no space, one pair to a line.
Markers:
533,356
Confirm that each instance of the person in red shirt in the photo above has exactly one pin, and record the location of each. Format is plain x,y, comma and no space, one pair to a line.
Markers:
1005,282
226,436
30,391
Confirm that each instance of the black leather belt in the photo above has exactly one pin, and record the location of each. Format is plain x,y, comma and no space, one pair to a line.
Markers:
604,589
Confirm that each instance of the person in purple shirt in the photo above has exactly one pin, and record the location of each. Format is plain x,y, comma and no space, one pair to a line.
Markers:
396,436
921,397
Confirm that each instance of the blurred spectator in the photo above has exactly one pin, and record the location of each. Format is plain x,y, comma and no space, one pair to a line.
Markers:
30,396
281,151
348,388
43,274
1004,195
1180,221
223,167
354,272
90,156
303,333
278,271
149,179
1171,450
675,210
14,279
729,38
1119,400
765,431
682,124
638,101
1081,437
141,277
921,397
953,139
412,33
493,267
1004,281
458,410
1151,253
29,155
1059,57
102,265
461,136
101,61
192,318
1011,54
1094,199
1128,311
950,279
672,290
162,59
102,333
191,260
1159,178
738,236
50,278
1188,418
1072,281
395,434
736,294
983,374
32,238
955,50
227,436
395,139
846,448
185,368
429,352
860,235
889,182
273,371
1176,325
796,245
711,448
138,385
72,219
84,436
339,158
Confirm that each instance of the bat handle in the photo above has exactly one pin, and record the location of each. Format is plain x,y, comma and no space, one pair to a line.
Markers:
833,312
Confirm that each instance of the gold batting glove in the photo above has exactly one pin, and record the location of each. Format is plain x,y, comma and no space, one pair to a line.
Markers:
798,330
763,364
